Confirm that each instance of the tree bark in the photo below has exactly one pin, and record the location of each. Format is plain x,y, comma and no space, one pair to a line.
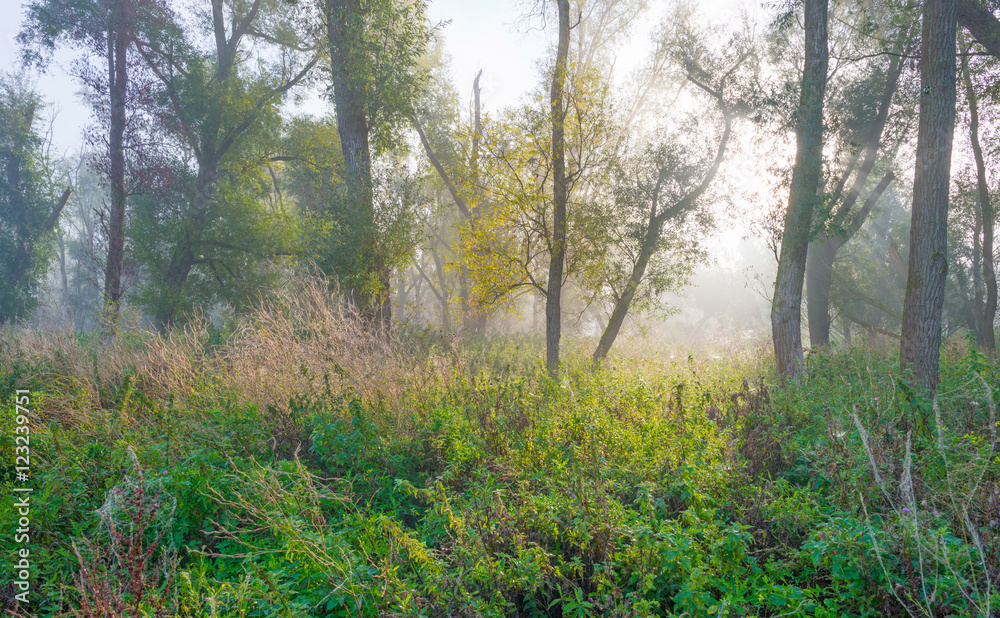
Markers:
118,43
819,266
986,309
981,23
819,281
919,348
786,304
444,298
353,128
553,294
401,298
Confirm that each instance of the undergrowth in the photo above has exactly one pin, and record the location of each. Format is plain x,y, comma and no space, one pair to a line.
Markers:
295,467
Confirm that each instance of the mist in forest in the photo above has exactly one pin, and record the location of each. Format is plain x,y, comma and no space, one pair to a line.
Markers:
661,84
316,308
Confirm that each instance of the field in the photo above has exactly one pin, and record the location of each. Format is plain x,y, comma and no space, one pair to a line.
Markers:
291,465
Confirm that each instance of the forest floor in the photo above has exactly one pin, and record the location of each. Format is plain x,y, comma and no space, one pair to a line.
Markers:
293,466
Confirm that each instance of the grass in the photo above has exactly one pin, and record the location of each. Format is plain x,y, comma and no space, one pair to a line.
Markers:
295,467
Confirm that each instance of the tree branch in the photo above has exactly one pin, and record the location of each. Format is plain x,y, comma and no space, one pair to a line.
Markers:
441,172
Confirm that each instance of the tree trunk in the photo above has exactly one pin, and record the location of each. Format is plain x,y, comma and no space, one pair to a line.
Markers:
921,337
401,298
823,251
621,307
986,311
63,278
982,24
553,296
819,276
418,296
786,305
182,258
443,298
118,43
475,314
352,126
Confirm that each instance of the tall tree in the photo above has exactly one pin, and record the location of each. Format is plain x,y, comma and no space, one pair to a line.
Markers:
27,214
453,150
553,295
786,305
374,47
664,186
223,116
120,35
344,23
984,306
102,29
845,220
919,348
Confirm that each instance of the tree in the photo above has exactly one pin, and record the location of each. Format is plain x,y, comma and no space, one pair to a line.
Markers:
843,217
374,46
220,107
981,23
787,300
983,301
27,214
453,150
104,30
919,348
663,186
81,264
557,259
119,40
311,177
508,251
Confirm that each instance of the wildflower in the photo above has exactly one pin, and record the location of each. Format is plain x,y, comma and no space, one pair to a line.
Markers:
906,510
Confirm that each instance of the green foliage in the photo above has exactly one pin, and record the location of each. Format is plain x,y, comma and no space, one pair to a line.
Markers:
332,230
655,491
25,203
386,38
217,231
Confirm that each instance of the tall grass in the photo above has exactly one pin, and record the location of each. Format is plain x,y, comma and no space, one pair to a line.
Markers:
288,344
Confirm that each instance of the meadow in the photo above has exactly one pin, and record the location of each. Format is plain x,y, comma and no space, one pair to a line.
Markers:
292,465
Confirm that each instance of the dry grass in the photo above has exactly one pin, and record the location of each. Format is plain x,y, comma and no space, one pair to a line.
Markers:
293,343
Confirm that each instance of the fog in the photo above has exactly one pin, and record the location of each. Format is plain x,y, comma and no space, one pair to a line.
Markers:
728,292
